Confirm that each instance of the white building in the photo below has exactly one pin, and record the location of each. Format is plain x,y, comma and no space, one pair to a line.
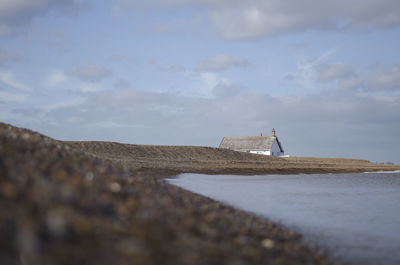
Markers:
263,145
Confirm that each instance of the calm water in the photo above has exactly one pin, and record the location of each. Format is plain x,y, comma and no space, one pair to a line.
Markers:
355,216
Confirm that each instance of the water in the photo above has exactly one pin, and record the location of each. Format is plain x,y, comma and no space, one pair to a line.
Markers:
356,217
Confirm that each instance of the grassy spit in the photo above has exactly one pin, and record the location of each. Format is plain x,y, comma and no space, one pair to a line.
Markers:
106,203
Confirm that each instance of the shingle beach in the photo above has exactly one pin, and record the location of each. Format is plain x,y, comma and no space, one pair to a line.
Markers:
63,203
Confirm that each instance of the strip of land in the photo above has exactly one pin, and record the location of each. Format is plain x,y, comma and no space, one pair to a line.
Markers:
172,160
107,203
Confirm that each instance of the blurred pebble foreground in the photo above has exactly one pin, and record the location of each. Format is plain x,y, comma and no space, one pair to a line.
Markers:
59,205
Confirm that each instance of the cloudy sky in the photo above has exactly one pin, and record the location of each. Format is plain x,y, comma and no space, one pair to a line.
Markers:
325,74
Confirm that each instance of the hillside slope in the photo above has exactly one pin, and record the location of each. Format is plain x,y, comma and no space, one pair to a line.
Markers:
196,159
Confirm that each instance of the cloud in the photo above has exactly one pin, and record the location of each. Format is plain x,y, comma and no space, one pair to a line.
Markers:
88,87
166,67
55,78
62,104
350,83
334,71
179,26
7,57
10,97
343,74
168,118
318,125
208,82
386,80
346,78
15,14
317,70
122,84
221,63
291,77
306,69
258,18
236,19
227,90
10,81
173,68
89,73
88,78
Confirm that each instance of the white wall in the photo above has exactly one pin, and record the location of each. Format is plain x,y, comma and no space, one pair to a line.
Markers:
275,151
261,152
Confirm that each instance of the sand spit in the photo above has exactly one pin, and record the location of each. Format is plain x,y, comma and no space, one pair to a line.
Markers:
62,205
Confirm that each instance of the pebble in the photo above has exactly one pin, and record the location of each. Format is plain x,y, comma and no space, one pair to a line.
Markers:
115,187
56,223
89,176
8,190
25,136
130,246
268,243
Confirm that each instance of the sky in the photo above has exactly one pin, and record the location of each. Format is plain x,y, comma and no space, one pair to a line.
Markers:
325,74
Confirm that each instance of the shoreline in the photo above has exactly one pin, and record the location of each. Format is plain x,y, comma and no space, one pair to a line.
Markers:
63,204
295,174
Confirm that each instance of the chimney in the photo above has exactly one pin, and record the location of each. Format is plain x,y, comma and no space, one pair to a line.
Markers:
273,133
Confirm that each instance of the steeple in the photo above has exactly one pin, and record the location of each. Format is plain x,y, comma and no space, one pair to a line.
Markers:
273,132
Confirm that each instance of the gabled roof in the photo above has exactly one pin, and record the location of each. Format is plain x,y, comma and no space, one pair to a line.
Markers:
245,143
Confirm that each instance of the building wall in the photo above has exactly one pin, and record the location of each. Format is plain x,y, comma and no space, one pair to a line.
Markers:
261,152
275,150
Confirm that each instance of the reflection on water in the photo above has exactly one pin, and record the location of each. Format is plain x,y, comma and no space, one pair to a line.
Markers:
355,216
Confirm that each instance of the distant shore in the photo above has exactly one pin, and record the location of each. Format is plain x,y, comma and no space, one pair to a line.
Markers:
107,203
171,160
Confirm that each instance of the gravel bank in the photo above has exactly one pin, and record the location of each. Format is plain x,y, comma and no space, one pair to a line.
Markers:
60,205
196,159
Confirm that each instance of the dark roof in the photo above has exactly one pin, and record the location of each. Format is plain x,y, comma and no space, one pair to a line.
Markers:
245,143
